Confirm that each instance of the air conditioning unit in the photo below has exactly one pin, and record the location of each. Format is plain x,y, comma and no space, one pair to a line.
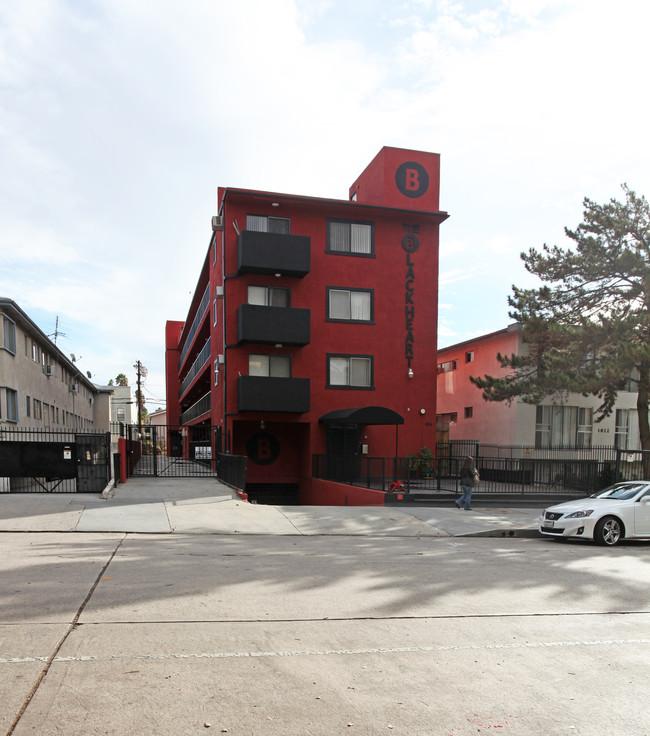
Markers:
74,388
49,370
217,223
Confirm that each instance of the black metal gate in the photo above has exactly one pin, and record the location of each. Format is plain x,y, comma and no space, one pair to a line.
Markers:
51,461
93,471
176,451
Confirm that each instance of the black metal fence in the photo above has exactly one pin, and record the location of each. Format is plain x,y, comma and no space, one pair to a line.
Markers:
187,451
231,469
45,460
509,470
172,450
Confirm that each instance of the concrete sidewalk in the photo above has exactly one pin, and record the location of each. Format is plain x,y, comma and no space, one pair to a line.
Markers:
206,506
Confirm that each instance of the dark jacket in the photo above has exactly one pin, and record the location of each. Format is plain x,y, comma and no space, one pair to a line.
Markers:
467,474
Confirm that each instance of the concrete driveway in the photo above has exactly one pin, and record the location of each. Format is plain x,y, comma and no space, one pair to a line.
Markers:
205,506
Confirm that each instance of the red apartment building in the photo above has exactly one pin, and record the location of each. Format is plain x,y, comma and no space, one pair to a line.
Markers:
461,403
312,329
557,422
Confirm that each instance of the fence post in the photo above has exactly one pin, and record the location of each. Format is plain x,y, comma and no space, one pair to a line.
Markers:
154,448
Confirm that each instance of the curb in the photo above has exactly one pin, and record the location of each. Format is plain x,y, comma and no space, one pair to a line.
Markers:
519,533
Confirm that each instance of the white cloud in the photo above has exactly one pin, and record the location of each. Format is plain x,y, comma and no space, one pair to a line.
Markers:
501,244
450,248
455,275
119,119
32,243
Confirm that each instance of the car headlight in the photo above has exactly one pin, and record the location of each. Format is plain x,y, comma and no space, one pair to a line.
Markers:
580,514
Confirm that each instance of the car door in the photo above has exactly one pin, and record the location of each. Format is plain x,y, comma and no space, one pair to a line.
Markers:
642,515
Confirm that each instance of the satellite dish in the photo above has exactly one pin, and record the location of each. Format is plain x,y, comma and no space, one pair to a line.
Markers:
89,374
73,358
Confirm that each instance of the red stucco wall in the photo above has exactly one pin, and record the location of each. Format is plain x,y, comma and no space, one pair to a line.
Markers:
328,493
491,422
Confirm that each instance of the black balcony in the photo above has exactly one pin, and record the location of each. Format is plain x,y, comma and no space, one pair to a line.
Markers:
272,253
273,325
259,393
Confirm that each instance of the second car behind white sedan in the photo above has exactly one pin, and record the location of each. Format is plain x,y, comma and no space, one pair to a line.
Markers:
621,511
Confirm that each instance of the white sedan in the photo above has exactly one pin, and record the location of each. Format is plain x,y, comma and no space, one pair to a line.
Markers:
618,512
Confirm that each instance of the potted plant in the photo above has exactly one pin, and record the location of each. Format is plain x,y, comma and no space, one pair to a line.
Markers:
426,461
422,462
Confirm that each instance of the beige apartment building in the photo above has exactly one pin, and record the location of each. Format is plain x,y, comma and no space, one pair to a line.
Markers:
40,387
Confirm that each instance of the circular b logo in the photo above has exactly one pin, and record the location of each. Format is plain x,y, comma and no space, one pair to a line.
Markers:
412,179
263,448
410,243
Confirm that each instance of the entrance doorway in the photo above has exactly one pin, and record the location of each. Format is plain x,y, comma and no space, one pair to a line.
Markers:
343,442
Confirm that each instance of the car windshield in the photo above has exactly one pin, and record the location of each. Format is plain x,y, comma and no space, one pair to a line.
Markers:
621,491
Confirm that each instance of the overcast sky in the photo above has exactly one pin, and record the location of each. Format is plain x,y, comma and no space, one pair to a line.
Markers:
119,119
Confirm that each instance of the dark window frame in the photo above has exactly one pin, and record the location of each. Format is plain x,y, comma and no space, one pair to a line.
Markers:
348,387
270,356
328,318
447,366
267,288
11,404
268,218
8,335
331,251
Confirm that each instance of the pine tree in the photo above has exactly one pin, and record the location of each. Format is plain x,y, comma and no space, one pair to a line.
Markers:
587,329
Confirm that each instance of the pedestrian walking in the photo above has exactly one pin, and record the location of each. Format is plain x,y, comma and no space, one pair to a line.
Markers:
469,479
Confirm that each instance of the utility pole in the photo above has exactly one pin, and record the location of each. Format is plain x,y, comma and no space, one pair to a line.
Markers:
141,372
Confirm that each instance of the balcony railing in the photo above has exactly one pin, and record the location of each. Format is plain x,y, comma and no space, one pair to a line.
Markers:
259,393
202,406
273,325
201,359
198,318
272,253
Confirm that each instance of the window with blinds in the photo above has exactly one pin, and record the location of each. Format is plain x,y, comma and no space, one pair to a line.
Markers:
349,305
264,224
349,371
270,366
563,426
351,238
268,296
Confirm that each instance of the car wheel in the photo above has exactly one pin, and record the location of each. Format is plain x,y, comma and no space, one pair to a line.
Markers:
608,531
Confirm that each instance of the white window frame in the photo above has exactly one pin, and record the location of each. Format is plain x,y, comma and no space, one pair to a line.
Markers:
563,426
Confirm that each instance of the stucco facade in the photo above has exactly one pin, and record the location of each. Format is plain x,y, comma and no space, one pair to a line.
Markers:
308,310
40,387
566,422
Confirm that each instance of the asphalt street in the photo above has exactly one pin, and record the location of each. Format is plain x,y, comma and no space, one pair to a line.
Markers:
318,633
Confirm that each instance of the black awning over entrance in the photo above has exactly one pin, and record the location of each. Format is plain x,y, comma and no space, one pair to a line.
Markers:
363,415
